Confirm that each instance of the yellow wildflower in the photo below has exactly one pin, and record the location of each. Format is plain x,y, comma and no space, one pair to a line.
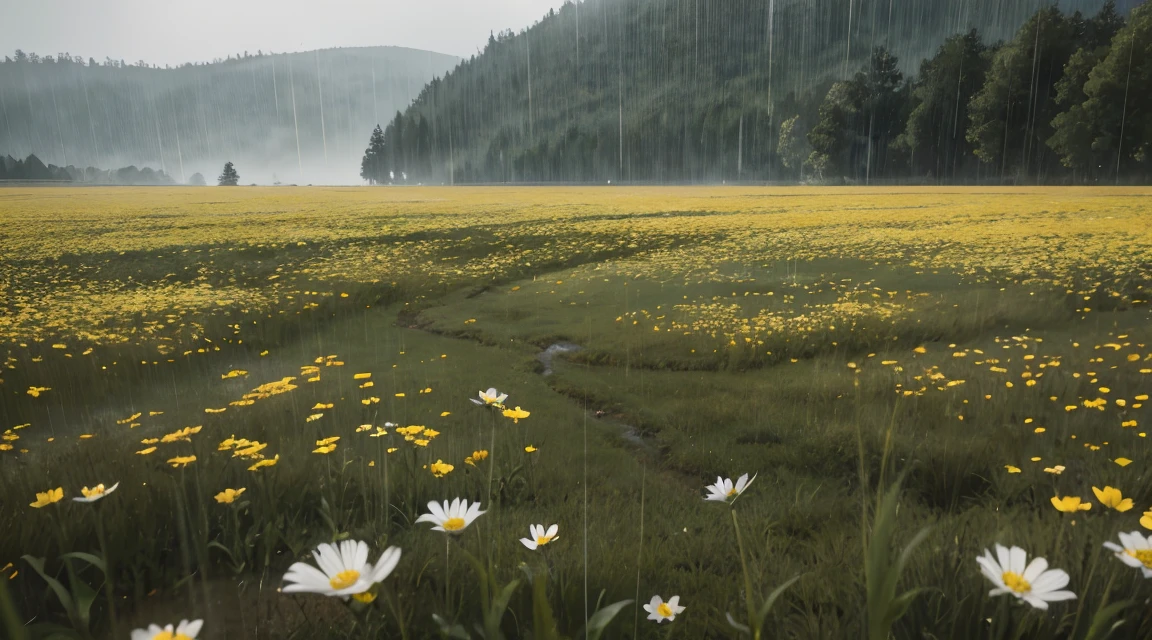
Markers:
441,468
1110,497
265,463
250,452
48,497
516,414
181,461
1070,504
228,496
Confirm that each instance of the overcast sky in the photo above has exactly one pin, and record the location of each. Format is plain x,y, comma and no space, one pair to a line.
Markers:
172,31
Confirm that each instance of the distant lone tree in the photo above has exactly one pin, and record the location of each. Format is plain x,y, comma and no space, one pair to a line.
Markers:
197,180
229,178
793,145
372,166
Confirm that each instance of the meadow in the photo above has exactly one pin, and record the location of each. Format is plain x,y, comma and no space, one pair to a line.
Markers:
912,375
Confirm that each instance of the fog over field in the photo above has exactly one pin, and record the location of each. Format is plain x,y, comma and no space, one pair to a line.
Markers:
301,117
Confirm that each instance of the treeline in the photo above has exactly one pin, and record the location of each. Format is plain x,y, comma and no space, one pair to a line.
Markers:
32,169
1046,106
66,58
662,90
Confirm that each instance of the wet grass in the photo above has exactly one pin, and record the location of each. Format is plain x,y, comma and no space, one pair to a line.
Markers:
828,377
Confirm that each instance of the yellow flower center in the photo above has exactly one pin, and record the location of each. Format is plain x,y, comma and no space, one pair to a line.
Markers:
98,490
170,635
664,610
732,492
1016,582
543,540
1143,555
344,579
367,597
453,524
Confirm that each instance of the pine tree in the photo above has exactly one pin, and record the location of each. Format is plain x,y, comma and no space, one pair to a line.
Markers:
1011,114
229,178
934,133
373,167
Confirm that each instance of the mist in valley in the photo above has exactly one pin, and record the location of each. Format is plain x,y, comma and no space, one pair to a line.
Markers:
290,118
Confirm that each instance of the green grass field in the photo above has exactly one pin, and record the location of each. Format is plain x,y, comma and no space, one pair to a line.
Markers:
989,349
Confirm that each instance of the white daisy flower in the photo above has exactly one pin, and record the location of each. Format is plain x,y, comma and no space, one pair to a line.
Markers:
95,493
184,631
343,572
660,611
1033,582
489,397
725,491
1134,550
451,518
539,537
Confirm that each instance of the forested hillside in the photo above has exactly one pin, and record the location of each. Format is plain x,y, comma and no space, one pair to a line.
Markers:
300,116
689,90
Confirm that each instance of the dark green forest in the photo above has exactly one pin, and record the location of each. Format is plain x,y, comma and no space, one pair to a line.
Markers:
857,91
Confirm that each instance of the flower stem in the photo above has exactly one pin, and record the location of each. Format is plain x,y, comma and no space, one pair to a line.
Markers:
61,538
109,582
390,598
639,554
387,490
1002,620
748,599
491,462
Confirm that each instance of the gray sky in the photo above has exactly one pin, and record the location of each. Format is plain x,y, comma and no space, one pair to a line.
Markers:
173,31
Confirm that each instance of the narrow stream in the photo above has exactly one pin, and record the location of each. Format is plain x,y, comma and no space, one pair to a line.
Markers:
546,356
628,432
